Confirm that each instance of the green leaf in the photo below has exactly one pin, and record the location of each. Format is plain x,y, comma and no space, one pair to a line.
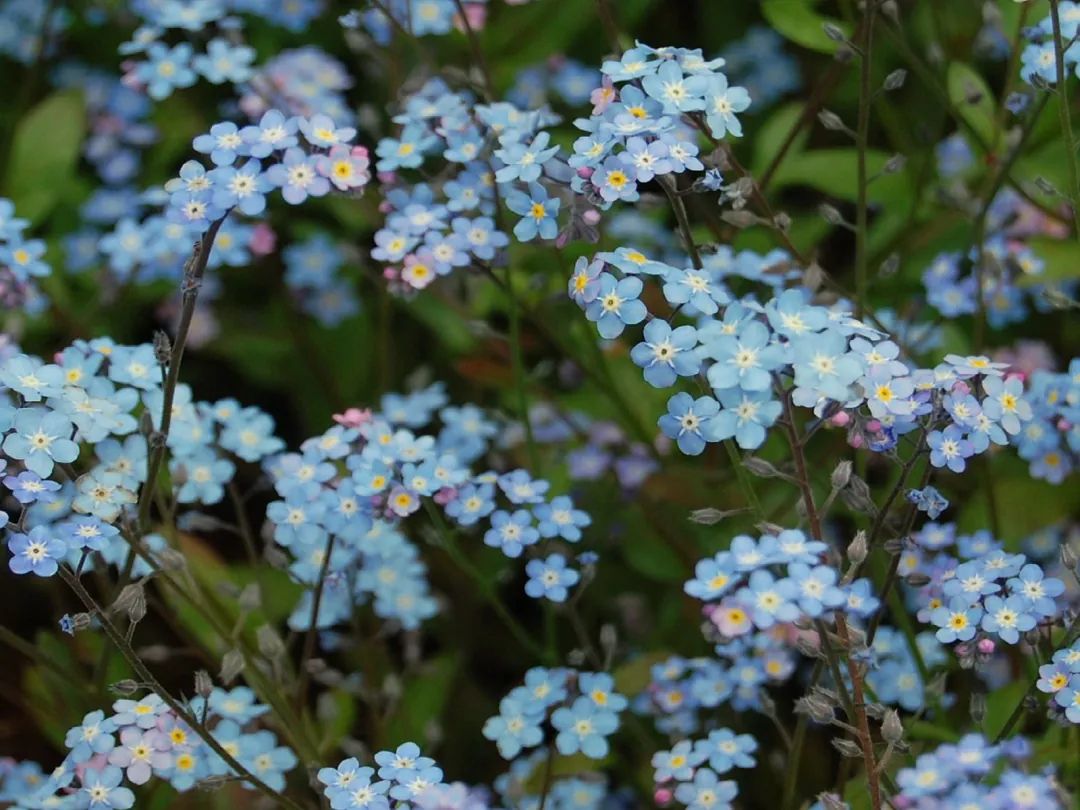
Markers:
1000,704
774,133
835,171
798,21
423,700
44,154
562,766
972,99
653,557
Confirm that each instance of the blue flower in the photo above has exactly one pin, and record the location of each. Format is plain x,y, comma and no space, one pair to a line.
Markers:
273,132
40,439
349,787
223,143
28,487
722,102
523,162
244,187
583,727
538,213
297,177
743,360
646,158
949,448
101,789
93,736
550,578
666,354
706,792
690,422
696,288
713,577
616,306
166,69
225,62
612,181
561,519
516,727
824,366
1037,590
817,591
511,532
745,416
679,763
724,750
769,600
1007,617
958,620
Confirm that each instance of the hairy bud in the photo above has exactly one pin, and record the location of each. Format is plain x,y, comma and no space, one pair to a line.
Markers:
841,475
895,80
203,684
232,664
892,730
857,549
125,688
846,747
132,602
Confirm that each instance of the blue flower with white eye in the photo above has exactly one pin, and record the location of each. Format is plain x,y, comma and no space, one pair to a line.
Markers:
40,439
561,519
297,176
93,736
274,132
524,162
745,416
722,103
724,750
824,367
690,422
743,360
679,763
696,288
583,727
224,62
949,448
514,728
676,92
713,577
706,792
646,159
550,578
1037,590
1007,617
769,600
616,306
166,69
244,187
666,354
223,143
510,532
816,586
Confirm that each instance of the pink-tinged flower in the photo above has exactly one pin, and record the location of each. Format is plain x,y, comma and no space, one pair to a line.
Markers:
263,240
402,502
140,753
731,619
602,96
475,17
346,167
353,417
417,272
445,495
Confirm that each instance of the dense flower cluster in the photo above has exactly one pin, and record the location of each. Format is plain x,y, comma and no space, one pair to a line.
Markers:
22,260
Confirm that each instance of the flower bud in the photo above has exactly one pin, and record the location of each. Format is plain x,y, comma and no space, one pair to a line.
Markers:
232,664
131,601
892,730
895,80
857,550
841,475
203,685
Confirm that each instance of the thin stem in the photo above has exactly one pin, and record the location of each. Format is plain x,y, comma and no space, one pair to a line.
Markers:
313,622
862,133
189,294
1066,116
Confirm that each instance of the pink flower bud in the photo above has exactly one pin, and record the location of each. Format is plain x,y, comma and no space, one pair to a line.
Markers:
662,797
873,426
475,16
445,495
591,217
840,419
585,172
986,646
263,239
855,440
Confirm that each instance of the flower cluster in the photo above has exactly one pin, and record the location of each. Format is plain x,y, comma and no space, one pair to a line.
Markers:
583,708
1061,679
143,739
647,127
973,772
975,591
1050,442
22,260
690,770
404,776
1038,60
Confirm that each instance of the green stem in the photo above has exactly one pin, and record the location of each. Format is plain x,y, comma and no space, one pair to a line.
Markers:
862,135
1066,116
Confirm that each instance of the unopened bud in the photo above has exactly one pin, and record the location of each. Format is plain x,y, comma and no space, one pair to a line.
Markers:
126,687
831,121
833,32
131,601
760,467
841,474
890,265
250,597
162,348
232,664
857,549
892,730
269,642
171,560
831,214
709,516
846,747
894,164
917,580
740,219
203,685
1068,557
895,80
977,706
